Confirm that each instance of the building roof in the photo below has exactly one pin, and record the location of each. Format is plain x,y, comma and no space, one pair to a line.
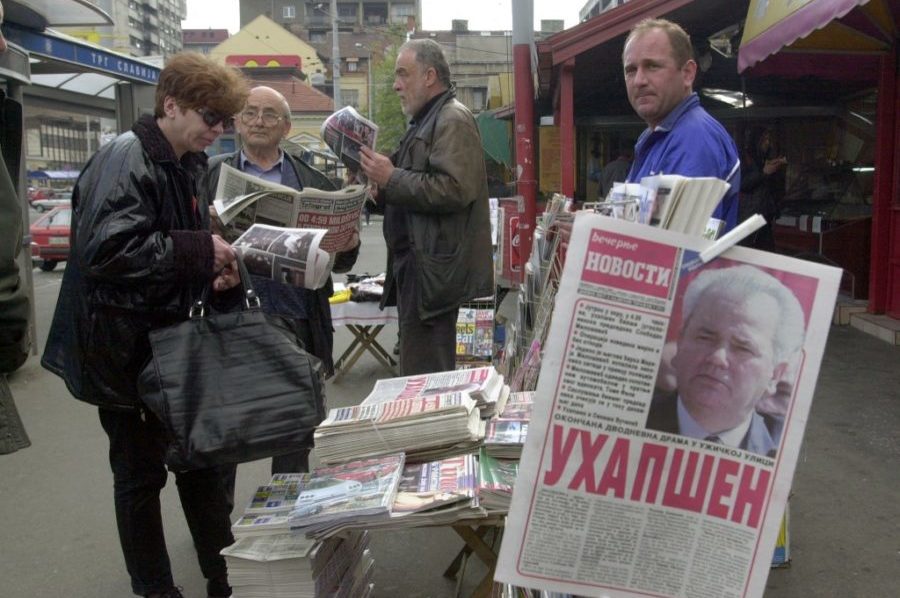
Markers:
355,44
302,98
203,36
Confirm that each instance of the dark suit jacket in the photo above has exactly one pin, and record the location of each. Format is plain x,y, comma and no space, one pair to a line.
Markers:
762,437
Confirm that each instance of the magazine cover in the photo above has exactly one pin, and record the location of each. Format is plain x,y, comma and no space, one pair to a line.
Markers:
359,488
673,397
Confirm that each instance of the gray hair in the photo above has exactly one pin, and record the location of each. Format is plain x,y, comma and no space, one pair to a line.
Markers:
743,282
429,53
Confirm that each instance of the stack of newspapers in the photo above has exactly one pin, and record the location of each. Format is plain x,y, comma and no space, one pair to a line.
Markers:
287,564
428,416
484,384
505,434
423,427
670,201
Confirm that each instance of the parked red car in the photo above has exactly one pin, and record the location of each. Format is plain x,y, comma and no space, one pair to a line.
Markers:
50,237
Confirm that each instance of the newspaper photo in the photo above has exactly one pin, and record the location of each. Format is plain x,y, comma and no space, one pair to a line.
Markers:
668,416
243,199
344,132
290,255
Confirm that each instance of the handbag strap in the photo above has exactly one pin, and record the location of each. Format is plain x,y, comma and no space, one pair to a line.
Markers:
250,298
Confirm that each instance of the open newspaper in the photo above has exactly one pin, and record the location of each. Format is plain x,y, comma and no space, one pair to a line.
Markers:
345,132
620,492
243,199
293,256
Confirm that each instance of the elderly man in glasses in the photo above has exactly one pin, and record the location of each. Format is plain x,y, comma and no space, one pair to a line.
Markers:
262,124
142,252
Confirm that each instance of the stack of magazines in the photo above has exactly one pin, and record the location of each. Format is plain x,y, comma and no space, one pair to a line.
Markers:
505,434
496,478
423,427
293,565
351,493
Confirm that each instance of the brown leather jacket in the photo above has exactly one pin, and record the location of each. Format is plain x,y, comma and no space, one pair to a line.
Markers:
440,181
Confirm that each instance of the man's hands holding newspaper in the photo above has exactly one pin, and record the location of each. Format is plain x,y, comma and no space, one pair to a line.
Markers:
377,167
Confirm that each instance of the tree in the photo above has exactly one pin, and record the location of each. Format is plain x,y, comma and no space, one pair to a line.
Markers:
386,105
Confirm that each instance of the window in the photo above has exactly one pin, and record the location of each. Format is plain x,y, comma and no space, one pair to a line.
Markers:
352,66
479,96
317,37
288,12
350,97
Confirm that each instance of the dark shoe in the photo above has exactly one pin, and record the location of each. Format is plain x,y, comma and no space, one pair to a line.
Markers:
218,588
173,592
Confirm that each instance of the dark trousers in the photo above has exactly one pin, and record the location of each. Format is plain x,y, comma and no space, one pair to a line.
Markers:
426,346
137,457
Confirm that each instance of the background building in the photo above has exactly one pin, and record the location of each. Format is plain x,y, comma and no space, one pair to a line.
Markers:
140,27
594,7
309,16
202,40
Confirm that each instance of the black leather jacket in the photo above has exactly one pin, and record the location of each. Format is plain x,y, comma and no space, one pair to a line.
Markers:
141,251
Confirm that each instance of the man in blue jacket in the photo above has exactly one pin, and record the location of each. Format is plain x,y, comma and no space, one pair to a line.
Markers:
681,138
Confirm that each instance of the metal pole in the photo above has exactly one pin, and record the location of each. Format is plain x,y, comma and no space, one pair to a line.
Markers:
335,57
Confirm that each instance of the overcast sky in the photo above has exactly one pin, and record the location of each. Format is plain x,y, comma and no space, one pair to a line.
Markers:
436,14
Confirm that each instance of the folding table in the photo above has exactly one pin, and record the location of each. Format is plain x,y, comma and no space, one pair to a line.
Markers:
364,320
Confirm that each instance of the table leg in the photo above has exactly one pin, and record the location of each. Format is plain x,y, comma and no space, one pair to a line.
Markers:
474,539
364,340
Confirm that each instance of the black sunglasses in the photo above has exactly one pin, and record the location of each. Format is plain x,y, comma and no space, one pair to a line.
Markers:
212,118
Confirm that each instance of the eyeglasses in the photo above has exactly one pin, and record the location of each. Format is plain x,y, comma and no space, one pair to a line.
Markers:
269,118
211,118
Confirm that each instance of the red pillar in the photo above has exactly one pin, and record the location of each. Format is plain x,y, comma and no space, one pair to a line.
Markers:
567,128
884,192
526,182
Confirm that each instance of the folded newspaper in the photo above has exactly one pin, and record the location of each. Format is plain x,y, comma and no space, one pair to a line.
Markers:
243,199
345,132
293,256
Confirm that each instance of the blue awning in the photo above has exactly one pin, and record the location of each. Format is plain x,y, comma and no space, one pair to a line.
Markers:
54,174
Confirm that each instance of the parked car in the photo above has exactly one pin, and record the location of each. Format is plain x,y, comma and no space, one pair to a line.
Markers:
60,198
50,237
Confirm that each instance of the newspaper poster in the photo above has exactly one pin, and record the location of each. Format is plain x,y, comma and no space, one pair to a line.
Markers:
243,199
289,255
668,416
344,132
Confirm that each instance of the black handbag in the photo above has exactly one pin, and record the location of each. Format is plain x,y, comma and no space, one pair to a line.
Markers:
232,387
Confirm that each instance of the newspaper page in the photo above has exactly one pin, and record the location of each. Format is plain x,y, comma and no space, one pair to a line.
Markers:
668,418
481,383
344,132
290,255
243,199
